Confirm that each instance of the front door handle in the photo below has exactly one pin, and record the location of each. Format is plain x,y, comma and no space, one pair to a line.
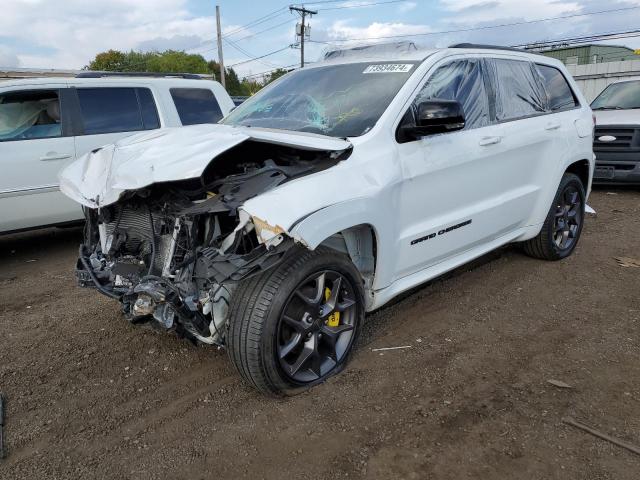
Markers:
54,156
489,141
552,126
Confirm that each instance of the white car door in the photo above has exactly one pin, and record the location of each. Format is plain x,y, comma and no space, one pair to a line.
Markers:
465,188
35,144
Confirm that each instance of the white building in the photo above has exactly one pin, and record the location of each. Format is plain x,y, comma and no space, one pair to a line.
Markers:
595,77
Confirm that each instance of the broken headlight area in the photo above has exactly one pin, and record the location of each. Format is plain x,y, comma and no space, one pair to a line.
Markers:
173,252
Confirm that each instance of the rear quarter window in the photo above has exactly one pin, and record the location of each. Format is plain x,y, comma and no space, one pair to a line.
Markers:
560,95
196,105
518,89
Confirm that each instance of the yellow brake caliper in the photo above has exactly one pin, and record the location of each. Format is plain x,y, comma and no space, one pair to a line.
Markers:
334,318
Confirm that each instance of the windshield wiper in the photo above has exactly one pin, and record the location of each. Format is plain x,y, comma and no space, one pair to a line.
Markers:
610,108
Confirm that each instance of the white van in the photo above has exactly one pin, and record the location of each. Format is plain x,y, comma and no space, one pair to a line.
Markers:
46,123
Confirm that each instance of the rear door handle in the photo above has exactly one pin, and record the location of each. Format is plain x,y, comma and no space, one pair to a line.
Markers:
54,156
489,141
552,126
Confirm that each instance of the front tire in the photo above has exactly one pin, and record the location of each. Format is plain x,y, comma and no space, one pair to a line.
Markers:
562,227
295,325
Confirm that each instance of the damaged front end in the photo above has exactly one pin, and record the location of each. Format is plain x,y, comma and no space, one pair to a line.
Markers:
173,252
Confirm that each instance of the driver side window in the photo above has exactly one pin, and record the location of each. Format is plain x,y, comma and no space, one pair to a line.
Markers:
462,81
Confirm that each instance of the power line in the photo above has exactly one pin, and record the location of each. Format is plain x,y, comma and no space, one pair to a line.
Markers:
261,56
235,41
265,30
485,27
243,27
245,52
257,21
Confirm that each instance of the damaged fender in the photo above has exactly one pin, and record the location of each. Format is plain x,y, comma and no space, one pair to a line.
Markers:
314,229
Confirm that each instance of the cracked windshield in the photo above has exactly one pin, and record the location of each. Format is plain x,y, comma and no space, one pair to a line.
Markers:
339,100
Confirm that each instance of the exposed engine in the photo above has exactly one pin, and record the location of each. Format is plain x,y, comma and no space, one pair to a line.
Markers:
174,252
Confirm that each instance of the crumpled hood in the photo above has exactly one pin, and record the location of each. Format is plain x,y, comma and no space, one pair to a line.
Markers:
98,178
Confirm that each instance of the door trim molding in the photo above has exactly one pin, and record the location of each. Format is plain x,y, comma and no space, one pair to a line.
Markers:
29,191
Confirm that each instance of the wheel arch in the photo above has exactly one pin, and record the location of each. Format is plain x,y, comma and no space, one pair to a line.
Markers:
582,169
359,243
348,227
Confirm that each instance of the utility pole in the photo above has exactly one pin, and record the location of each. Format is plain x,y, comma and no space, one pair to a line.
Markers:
220,47
303,28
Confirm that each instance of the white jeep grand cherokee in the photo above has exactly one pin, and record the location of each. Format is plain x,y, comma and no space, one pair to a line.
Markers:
329,193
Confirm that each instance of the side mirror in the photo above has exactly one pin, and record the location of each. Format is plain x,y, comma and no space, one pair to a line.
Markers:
435,116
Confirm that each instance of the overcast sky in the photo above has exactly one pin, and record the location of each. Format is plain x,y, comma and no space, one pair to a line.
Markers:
68,33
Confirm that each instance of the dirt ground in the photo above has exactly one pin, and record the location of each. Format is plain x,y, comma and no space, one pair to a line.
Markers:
91,396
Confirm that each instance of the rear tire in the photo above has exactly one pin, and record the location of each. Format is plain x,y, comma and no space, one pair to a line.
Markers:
562,227
295,325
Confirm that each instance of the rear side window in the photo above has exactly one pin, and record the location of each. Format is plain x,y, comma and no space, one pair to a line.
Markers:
112,110
29,115
518,89
462,81
559,92
196,105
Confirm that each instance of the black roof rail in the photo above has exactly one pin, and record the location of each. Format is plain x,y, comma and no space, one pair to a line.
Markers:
95,74
487,47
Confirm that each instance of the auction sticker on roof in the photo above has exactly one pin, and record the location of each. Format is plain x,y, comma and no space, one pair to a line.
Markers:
389,68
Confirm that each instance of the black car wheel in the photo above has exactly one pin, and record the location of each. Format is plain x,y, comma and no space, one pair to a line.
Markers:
295,325
562,227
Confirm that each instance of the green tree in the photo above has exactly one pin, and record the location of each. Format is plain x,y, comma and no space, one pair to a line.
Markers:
233,84
274,75
175,61
172,61
110,60
214,68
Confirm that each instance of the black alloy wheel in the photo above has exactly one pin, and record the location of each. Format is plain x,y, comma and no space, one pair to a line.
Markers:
562,227
568,218
295,325
316,327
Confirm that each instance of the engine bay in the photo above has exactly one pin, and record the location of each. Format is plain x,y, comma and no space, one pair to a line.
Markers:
173,252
